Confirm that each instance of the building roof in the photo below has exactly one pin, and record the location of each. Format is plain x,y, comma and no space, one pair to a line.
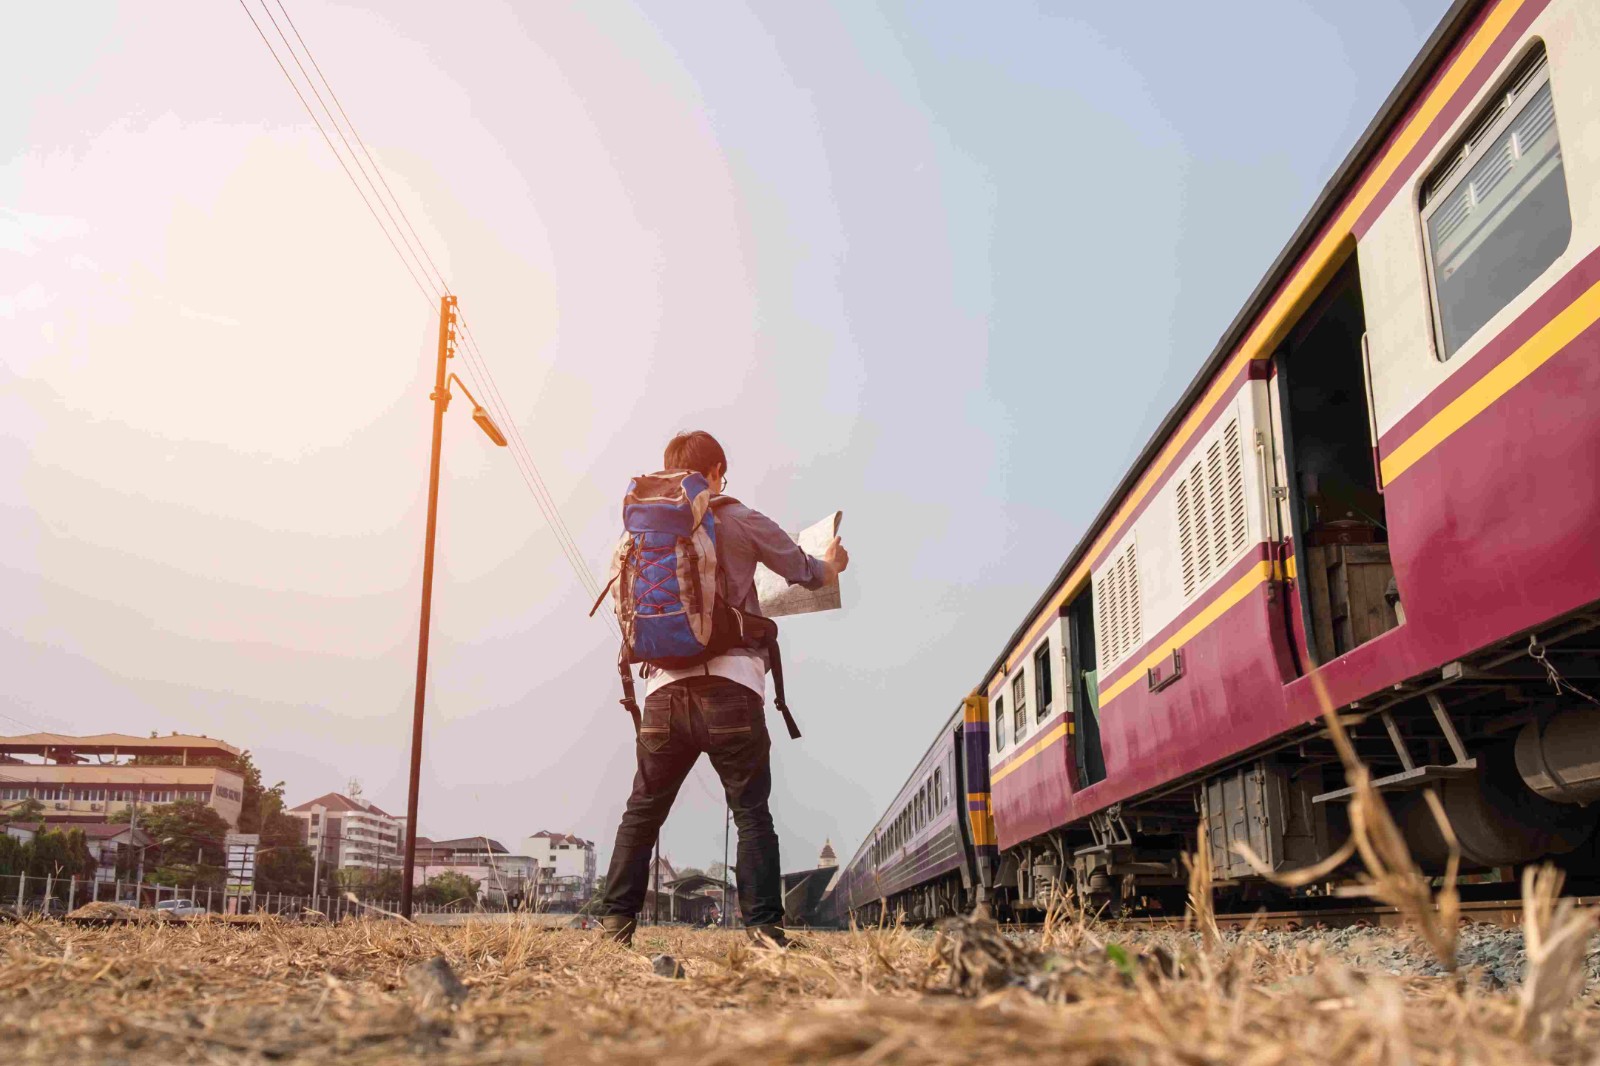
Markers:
107,830
563,838
112,744
471,844
338,801
827,849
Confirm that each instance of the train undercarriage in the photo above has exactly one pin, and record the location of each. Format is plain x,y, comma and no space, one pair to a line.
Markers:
1508,738
943,897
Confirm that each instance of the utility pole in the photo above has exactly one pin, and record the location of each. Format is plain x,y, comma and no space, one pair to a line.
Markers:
727,817
133,838
655,899
441,400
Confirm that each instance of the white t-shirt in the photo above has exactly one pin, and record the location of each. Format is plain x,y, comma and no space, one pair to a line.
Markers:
745,667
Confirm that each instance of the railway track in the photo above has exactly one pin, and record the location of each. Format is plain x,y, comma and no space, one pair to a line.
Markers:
1491,912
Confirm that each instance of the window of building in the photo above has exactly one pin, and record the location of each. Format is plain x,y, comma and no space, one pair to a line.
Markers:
1495,214
1019,704
999,723
1041,683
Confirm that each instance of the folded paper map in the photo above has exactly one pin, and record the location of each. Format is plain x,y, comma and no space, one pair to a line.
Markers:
778,597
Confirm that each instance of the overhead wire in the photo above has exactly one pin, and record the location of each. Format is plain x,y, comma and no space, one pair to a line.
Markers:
419,247
476,366
523,456
303,102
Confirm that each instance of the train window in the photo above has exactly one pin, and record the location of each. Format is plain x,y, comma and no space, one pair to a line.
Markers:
1495,214
999,723
1019,704
1041,683
938,789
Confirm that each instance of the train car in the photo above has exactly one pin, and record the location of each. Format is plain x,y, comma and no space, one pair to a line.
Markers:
933,853
1380,494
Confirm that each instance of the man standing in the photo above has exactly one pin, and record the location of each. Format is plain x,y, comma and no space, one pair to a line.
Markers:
716,708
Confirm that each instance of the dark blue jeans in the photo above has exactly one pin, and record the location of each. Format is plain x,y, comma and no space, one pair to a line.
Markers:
726,721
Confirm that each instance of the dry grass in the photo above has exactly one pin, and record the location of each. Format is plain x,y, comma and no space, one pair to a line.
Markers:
307,993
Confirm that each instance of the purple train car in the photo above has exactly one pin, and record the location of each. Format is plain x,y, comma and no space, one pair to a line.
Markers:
1378,497
933,853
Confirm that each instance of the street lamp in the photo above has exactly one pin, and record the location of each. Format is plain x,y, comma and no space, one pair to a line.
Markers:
441,401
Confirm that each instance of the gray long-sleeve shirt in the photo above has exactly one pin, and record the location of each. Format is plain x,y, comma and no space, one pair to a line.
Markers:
745,537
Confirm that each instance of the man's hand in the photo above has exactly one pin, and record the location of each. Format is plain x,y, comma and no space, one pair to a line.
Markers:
835,558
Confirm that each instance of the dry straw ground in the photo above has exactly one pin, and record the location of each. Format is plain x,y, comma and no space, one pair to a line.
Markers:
1080,993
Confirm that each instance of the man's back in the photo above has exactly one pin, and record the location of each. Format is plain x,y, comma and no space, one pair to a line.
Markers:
715,709
746,537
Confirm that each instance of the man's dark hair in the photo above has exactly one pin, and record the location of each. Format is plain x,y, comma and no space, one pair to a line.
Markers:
693,450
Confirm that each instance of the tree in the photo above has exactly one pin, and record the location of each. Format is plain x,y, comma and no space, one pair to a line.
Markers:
691,871
370,884
190,839
58,853
285,865
452,886
29,812
285,868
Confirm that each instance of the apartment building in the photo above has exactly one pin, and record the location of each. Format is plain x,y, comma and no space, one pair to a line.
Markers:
350,833
89,779
566,866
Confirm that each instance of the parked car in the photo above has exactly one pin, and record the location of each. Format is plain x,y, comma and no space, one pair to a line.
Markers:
180,908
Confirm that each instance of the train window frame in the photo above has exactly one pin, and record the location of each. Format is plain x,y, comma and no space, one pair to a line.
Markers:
1000,722
1527,78
1019,705
1043,685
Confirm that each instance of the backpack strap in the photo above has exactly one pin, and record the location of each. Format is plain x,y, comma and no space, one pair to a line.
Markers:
601,598
628,700
763,632
777,686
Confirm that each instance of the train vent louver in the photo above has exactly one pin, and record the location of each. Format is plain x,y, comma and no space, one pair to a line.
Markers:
1186,538
1236,510
1212,522
1135,623
1219,504
1120,612
1119,578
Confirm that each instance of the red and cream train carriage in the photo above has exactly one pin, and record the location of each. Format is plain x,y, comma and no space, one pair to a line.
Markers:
1385,483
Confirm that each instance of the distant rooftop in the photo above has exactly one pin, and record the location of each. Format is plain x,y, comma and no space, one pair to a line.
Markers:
475,844
562,838
338,801
63,748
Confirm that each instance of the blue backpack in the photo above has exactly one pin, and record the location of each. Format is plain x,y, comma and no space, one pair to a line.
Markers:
667,588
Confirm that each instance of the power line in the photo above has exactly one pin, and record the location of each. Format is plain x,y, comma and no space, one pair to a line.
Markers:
532,478
420,247
331,148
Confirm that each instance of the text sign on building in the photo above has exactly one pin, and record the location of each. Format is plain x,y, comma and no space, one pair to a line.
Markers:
241,863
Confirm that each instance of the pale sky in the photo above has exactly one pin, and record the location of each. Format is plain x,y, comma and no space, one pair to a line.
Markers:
943,266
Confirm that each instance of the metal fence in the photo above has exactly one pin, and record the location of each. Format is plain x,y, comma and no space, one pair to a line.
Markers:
21,894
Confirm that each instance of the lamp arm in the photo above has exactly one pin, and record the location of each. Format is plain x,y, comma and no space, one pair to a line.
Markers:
456,378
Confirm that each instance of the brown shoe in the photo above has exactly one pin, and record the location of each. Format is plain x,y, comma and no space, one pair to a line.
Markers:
618,927
758,934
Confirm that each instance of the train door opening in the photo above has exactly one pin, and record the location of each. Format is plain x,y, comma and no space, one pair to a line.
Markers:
1083,675
1339,527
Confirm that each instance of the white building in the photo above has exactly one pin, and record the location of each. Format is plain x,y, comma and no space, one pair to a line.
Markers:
566,865
351,833
502,878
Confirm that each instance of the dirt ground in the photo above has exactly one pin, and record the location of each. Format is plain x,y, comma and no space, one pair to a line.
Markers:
354,994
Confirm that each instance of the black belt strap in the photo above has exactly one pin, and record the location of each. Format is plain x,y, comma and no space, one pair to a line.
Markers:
628,699
777,688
